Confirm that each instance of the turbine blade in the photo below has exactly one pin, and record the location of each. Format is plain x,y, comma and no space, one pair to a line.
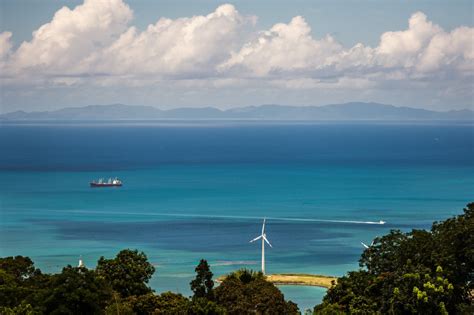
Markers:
365,245
372,244
267,241
257,238
263,226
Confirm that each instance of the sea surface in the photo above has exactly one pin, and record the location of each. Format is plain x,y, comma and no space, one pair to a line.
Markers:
197,190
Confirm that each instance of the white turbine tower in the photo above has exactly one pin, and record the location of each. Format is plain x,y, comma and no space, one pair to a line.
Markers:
263,236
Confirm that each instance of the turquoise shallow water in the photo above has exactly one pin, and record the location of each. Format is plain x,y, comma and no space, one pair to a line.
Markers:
192,193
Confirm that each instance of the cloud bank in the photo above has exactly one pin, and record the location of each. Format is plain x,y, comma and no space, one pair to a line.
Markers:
95,44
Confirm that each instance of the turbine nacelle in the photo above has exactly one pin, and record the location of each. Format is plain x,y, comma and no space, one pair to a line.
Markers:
265,238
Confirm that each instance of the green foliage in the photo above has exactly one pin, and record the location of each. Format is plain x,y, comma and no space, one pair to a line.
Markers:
170,303
417,293
75,291
455,252
128,273
19,280
117,305
202,306
247,292
330,309
166,303
25,290
292,308
19,267
247,275
143,304
202,285
22,309
427,272
348,295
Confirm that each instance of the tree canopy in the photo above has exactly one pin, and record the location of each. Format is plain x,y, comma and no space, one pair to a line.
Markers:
76,291
128,273
247,292
202,285
419,272
119,286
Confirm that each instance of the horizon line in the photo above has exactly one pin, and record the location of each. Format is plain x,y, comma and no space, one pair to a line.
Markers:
230,108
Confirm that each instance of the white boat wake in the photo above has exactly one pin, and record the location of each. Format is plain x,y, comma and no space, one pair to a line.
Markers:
218,216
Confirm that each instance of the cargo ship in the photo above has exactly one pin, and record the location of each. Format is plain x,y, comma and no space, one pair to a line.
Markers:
110,183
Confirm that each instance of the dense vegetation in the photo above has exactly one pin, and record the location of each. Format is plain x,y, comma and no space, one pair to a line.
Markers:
119,286
247,292
420,272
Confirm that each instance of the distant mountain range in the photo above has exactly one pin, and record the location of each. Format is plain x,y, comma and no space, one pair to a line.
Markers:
347,111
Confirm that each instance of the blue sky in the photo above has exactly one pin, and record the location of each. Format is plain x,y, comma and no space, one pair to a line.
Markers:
410,53
350,21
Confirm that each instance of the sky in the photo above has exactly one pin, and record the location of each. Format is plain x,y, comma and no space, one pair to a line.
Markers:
168,54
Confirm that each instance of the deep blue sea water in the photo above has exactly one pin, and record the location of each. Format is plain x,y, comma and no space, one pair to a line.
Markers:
199,190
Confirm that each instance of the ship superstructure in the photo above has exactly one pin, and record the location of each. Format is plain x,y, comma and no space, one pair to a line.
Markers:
111,182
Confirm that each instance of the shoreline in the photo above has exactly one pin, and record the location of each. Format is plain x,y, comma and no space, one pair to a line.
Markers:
296,279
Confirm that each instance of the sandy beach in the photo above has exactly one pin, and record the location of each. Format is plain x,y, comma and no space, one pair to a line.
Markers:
297,279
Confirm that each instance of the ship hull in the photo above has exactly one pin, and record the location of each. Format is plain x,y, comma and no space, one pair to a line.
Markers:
105,185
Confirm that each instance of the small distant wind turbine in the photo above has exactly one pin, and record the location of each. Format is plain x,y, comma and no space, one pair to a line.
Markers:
367,246
263,236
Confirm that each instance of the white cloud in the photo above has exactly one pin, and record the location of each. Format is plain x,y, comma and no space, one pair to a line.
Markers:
59,46
289,50
403,47
454,49
182,47
95,45
285,47
5,45
426,51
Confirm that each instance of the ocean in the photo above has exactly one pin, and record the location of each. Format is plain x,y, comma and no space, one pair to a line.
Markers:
197,190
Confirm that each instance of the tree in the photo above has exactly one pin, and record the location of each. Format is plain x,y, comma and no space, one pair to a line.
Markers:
202,285
202,306
415,293
171,303
247,292
165,303
118,305
128,273
247,275
75,291
143,304
19,267
19,279
409,273
345,297
22,309
455,251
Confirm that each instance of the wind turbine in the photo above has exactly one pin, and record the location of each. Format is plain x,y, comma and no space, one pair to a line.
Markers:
367,246
263,236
